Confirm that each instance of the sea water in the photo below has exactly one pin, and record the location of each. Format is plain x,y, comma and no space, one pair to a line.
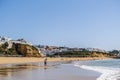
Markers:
109,69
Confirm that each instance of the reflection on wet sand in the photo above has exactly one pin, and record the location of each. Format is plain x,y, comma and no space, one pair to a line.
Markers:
5,71
8,70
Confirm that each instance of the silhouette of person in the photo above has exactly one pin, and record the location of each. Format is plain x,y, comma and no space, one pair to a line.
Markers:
45,62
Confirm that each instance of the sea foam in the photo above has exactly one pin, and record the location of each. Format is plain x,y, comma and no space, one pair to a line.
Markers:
107,73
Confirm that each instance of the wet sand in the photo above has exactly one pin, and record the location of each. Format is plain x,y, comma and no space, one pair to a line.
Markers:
54,71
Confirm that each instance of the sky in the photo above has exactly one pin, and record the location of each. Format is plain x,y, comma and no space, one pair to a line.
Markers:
71,23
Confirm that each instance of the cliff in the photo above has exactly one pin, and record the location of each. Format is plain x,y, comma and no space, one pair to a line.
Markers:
27,50
20,49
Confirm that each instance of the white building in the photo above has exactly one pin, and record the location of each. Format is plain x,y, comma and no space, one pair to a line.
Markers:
10,41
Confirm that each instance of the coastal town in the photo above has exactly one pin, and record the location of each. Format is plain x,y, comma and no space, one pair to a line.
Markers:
45,50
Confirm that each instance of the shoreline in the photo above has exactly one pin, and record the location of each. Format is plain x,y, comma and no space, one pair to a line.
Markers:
14,60
58,72
80,74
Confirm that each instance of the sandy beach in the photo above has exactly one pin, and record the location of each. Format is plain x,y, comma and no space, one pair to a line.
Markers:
11,60
30,71
56,70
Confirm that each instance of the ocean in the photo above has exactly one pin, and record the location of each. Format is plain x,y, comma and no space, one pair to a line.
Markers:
109,69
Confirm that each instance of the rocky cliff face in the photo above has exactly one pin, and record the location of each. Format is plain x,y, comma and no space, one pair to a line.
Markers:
19,49
27,50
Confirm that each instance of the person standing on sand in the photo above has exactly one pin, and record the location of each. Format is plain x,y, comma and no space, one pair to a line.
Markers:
45,62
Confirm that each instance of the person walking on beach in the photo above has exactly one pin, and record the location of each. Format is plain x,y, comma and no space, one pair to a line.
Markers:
45,62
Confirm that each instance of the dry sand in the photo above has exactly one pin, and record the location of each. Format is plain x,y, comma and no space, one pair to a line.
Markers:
11,60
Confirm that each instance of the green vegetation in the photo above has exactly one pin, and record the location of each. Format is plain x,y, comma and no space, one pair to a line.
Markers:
73,54
114,52
83,53
5,45
3,48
